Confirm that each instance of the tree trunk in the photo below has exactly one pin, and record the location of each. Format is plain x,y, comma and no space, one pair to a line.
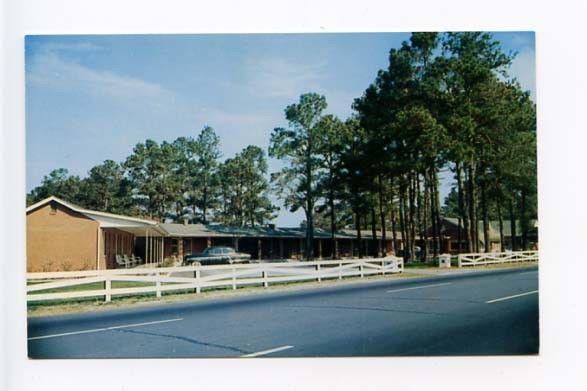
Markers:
333,225
204,206
358,228
473,208
382,219
436,199
463,208
376,244
411,216
524,221
500,218
393,221
419,222
513,226
435,213
425,217
485,217
402,218
309,233
459,232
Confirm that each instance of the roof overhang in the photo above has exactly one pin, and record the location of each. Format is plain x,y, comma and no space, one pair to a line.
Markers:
134,225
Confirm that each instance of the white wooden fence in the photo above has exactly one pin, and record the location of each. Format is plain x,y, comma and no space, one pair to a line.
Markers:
159,280
477,259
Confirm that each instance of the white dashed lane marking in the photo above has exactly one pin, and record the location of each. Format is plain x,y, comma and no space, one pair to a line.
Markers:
419,287
511,297
265,352
104,329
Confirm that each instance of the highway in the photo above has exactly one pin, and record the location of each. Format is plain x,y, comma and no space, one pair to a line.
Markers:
481,313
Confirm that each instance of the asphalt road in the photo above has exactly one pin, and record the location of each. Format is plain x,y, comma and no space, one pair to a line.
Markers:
486,313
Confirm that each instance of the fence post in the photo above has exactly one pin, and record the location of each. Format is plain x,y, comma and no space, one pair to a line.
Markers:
198,282
340,270
382,267
108,288
318,272
361,269
233,279
459,260
158,284
265,282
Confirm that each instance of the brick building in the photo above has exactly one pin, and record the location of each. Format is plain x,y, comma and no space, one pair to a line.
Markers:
64,236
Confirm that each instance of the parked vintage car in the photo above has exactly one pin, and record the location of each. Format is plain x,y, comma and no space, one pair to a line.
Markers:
218,255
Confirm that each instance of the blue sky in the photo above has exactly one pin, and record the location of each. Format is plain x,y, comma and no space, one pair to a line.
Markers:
93,97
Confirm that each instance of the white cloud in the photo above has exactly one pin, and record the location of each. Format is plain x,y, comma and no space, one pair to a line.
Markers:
49,70
218,116
523,68
279,78
76,46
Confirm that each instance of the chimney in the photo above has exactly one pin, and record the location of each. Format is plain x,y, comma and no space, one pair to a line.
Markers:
185,221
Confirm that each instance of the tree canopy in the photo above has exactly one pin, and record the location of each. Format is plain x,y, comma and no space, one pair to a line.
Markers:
444,103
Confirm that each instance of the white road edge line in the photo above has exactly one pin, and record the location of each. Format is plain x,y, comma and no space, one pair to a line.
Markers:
510,297
419,287
104,329
265,352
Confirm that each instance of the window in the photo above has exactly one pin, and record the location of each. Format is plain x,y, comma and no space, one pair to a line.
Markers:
174,246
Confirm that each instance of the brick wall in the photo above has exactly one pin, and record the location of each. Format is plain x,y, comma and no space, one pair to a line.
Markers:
59,239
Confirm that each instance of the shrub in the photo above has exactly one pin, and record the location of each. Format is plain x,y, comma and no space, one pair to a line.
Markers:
66,266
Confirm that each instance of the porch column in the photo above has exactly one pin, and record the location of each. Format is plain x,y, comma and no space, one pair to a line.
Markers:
235,241
335,249
98,234
301,248
259,249
208,242
147,247
180,248
156,245
352,248
319,248
281,248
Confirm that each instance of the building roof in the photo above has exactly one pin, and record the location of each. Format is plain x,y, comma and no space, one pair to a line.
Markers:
494,227
368,234
220,230
106,220
507,227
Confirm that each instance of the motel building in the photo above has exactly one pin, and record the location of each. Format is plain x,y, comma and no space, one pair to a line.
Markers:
62,236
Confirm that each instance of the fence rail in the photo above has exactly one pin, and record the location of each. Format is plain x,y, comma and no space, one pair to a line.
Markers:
165,279
477,259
